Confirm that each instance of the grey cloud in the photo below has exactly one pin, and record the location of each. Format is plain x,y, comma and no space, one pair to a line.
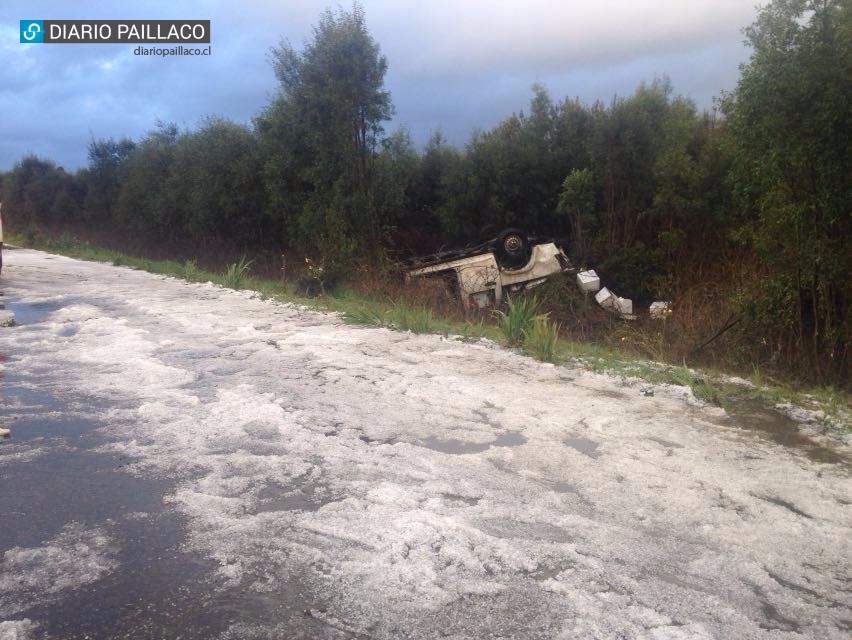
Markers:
453,65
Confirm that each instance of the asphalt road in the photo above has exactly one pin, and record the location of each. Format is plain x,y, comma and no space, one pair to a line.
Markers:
193,462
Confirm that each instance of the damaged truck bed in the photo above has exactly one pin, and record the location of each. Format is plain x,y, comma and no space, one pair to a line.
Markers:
512,262
481,274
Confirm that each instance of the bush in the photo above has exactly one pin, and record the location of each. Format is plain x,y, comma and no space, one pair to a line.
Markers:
237,273
32,236
414,319
191,271
63,242
518,319
541,339
363,313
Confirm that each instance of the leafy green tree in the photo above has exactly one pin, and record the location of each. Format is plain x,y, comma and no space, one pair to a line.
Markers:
511,175
38,192
577,201
790,124
396,169
626,142
465,205
688,218
426,192
216,182
143,203
285,156
101,177
330,110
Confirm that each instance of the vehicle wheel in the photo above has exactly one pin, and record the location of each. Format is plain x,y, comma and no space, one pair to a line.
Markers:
513,249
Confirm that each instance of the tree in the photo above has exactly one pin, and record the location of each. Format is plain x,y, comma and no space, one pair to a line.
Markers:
577,201
143,203
627,140
330,111
102,174
216,180
395,171
789,123
511,175
38,192
426,194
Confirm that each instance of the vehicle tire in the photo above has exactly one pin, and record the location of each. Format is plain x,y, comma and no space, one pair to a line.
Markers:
513,249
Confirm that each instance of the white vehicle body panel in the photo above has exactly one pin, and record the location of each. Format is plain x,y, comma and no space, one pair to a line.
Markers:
481,279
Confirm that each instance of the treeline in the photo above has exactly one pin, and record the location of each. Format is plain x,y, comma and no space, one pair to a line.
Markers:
657,195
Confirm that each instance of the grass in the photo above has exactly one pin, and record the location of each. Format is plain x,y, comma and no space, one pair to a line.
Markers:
364,312
191,271
706,391
407,318
520,325
236,275
393,315
477,330
830,398
518,319
541,339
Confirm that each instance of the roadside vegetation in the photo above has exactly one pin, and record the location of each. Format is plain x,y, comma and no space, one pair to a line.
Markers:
739,216
521,325
236,275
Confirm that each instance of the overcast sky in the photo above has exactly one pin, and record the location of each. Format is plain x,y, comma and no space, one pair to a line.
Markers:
454,65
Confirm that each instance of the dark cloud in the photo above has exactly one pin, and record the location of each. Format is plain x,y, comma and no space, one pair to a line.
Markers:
453,65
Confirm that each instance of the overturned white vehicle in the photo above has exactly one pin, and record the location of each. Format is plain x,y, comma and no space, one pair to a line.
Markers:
509,262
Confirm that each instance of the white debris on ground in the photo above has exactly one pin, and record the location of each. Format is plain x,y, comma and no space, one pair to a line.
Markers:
16,629
15,452
419,486
7,318
659,310
77,556
590,282
819,425
611,302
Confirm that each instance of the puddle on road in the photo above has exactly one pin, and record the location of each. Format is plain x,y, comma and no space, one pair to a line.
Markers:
666,443
755,416
545,572
460,447
774,619
31,312
583,445
565,487
785,505
368,440
282,498
608,393
159,589
156,582
454,498
508,529
509,439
